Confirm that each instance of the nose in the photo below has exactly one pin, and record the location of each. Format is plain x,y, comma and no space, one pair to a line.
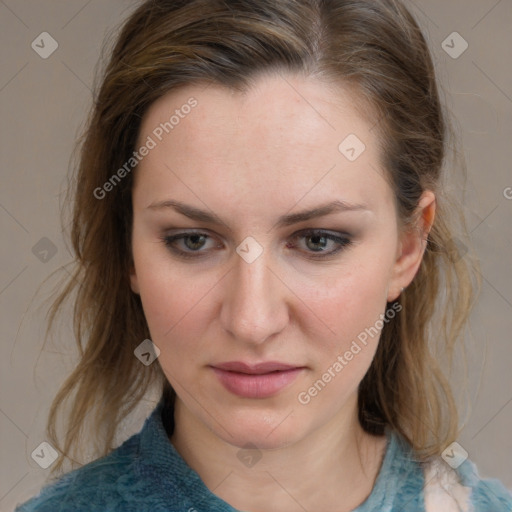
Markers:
255,304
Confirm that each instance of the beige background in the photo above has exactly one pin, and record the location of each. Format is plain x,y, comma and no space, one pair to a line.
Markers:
43,104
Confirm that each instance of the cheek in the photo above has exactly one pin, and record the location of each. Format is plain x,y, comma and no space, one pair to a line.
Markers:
177,306
354,310
169,302
350,302
353,307
165,294
170,308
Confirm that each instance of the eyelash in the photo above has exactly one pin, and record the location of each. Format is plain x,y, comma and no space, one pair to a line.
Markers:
342,241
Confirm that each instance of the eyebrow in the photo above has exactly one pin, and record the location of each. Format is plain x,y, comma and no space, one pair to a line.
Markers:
286,220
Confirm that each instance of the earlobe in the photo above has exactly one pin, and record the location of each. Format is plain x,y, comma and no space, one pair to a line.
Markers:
412,245
134,282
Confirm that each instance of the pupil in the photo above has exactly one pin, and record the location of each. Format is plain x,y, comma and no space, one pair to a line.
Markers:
317,237
194,239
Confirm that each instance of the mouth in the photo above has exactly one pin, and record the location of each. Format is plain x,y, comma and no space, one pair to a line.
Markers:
261,380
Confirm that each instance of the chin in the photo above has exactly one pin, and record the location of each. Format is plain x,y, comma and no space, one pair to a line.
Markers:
267,431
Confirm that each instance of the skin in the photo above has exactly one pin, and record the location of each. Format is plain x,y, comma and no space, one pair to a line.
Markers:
251,158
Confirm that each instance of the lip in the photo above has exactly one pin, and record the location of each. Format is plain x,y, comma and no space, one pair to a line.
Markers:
259,380
255,369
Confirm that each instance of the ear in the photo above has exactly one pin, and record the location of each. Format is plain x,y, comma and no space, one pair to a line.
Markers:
412,245
134,282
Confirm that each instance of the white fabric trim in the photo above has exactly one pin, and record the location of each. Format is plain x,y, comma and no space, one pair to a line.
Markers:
443,490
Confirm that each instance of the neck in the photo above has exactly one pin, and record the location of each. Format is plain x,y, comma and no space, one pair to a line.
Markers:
334,467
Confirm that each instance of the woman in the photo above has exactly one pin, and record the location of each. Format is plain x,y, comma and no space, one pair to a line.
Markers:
261,233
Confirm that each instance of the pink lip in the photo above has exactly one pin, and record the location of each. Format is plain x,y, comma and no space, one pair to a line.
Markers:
256,381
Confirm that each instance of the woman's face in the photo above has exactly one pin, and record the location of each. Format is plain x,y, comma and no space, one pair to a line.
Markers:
260,280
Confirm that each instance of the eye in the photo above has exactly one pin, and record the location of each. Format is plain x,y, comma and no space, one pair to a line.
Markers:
192,241
316,243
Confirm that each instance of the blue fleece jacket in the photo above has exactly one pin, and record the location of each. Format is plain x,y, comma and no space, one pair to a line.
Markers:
146,473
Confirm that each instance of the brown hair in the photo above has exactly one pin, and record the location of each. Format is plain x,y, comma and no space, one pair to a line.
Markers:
373,46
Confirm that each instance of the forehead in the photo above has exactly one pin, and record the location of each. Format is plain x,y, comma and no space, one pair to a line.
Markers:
286,136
